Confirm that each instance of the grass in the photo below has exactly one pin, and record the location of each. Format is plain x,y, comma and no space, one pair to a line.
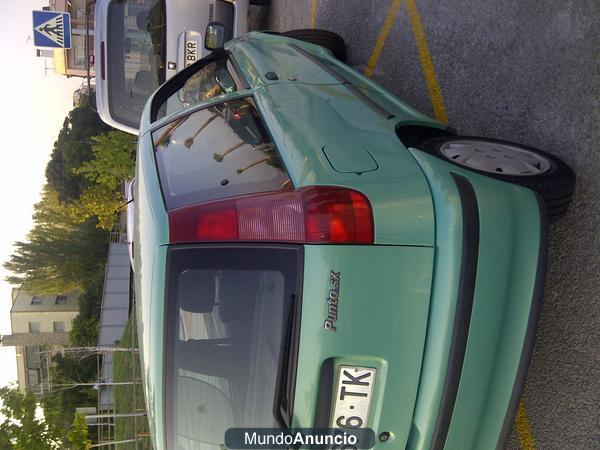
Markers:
125,366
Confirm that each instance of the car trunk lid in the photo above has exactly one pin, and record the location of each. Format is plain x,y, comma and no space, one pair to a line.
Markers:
335,139
380,322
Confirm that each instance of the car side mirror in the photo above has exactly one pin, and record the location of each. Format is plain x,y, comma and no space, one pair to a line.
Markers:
214,39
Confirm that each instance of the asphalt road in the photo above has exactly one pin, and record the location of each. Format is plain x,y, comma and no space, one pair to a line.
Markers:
527,71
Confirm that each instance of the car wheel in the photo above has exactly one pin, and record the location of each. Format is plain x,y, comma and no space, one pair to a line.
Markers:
328,39
516,163
260,2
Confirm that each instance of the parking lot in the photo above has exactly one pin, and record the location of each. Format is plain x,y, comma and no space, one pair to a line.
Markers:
523,71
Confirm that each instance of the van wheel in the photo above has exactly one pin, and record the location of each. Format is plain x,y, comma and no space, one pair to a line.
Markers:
328,39
516,163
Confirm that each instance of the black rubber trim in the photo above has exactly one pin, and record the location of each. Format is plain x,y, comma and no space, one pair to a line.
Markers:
464,306
368,101
319,63
532,321
357,92
324,394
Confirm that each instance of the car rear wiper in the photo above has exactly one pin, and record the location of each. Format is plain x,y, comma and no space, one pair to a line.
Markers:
282,408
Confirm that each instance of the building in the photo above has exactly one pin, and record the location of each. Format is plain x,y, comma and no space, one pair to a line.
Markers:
40,328
73,62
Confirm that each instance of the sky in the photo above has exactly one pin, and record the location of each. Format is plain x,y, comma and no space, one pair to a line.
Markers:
34,103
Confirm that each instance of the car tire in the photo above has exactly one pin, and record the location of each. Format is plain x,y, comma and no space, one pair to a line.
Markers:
520,164
260,2
327,39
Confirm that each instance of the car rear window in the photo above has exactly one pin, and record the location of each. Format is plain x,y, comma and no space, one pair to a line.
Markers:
217,152
135,56
227,311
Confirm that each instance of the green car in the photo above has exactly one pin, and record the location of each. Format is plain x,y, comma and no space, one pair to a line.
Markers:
309,251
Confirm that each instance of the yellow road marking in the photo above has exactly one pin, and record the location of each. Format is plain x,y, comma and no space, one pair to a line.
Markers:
433,87
313,13
523,428
383,34
522,424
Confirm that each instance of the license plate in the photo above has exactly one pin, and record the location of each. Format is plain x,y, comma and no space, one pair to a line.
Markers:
354,393
191,52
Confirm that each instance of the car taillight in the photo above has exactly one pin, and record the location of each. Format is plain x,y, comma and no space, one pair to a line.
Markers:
319,214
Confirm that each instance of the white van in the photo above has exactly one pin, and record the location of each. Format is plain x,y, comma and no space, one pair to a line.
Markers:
139,44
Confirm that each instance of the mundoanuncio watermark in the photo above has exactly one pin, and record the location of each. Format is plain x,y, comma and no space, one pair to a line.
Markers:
276,438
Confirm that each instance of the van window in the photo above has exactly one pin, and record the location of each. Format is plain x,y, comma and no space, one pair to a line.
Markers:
135,56
218,152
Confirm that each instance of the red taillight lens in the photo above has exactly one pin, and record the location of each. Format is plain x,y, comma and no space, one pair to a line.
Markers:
314,214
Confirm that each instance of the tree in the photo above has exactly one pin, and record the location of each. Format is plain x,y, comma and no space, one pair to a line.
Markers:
72,148
112,161
85,330
111,165
99,203
21,429
59,404
60,254
85,327
78,434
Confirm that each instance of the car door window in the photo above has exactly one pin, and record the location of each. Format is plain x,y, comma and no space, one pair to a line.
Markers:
214,76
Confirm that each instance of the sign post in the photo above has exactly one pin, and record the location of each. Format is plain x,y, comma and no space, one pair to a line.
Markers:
52,29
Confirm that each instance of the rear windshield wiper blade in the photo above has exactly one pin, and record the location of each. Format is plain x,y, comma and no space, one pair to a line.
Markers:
283,398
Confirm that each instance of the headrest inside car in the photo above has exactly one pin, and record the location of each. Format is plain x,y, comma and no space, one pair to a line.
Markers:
144,79
237,295
196,291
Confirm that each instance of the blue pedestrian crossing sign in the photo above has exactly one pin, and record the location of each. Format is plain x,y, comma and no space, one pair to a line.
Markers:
52,29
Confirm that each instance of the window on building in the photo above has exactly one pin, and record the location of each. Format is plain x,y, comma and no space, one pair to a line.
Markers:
33,377
77,10
61,300
59,327
34,327
36,300
33,357
76,54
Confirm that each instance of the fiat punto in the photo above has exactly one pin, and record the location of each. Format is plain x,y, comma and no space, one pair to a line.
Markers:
310,251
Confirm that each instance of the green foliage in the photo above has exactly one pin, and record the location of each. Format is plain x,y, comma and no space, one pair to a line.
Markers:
85,325
66,251
100,203
59,405
125,366
72,148
113,160
85,330
21,430
91,299
111,165
60,254
78,434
